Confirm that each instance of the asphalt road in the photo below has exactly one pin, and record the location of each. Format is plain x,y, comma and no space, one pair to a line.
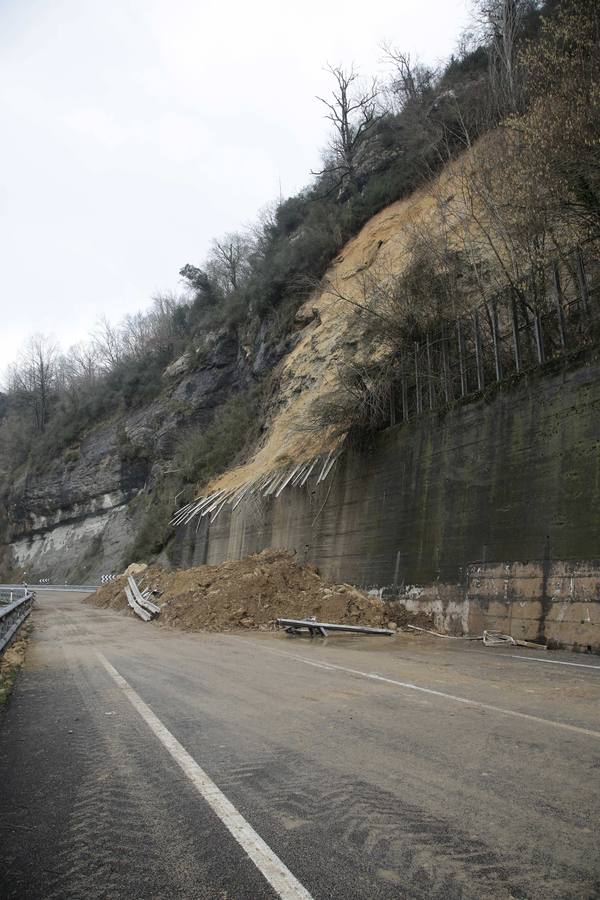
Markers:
141,762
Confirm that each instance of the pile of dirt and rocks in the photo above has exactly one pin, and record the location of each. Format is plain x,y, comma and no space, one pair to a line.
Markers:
246,593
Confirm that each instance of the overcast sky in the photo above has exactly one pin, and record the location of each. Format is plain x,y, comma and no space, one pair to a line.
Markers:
134,131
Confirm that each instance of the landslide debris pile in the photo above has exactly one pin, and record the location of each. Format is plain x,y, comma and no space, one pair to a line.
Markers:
247,593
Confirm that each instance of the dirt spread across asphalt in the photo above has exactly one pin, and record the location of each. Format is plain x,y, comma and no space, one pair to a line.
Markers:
249,593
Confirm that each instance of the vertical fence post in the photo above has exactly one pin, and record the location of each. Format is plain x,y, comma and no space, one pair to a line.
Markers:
445,366
478,353
539,337
417,380
404,397
461,360
514,318
497,358
582,278
560,313
392,405
429,375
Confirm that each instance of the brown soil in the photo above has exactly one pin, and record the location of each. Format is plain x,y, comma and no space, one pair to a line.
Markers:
248,593
310,371
11,661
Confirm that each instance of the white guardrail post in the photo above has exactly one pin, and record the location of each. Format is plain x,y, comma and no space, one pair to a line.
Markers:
15,606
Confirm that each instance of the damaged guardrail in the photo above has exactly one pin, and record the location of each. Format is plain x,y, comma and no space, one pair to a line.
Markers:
14,610
489,638
293,626
139,601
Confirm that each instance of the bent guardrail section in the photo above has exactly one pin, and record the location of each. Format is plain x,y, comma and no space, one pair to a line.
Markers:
139,602
16,606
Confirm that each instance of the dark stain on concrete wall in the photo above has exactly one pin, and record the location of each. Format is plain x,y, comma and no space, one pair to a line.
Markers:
514,476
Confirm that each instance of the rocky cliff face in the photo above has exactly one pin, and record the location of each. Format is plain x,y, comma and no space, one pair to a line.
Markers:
75,519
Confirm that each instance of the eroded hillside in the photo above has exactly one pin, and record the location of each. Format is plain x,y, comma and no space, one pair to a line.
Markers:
337,311
337,333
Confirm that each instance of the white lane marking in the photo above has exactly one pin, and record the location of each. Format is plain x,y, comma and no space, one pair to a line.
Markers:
274,870
416,687
554,662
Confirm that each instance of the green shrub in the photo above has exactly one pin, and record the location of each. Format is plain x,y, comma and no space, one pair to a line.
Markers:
205,451
202,453
71,455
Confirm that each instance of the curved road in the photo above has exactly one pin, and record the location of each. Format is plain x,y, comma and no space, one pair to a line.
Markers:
141,762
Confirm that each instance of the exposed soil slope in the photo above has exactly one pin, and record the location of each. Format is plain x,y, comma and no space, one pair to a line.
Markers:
337,335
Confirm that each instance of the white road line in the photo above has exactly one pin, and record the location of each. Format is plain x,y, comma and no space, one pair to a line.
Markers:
554,662
416,687
274,870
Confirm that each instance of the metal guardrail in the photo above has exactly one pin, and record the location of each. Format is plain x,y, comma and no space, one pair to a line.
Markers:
13,613
293,626
140,602
83,588
8,593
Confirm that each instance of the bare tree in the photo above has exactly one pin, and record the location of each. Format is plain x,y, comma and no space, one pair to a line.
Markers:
559,132
265,225
501,22
81,362
354,113
228,260
108,342
168,332
32,378
410,79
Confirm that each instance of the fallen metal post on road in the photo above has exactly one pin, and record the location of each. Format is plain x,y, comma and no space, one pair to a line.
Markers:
293,626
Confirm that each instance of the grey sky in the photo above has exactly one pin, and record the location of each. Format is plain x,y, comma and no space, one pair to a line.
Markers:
134,131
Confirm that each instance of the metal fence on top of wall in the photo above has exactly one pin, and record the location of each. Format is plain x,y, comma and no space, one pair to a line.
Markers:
511,333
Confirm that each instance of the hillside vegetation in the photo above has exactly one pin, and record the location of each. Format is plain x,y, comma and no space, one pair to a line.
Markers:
438,191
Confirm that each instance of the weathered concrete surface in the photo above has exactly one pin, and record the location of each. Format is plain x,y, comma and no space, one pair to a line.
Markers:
538,601
514,476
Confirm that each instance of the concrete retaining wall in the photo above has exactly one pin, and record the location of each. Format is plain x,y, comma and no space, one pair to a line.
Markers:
511,476
556,602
